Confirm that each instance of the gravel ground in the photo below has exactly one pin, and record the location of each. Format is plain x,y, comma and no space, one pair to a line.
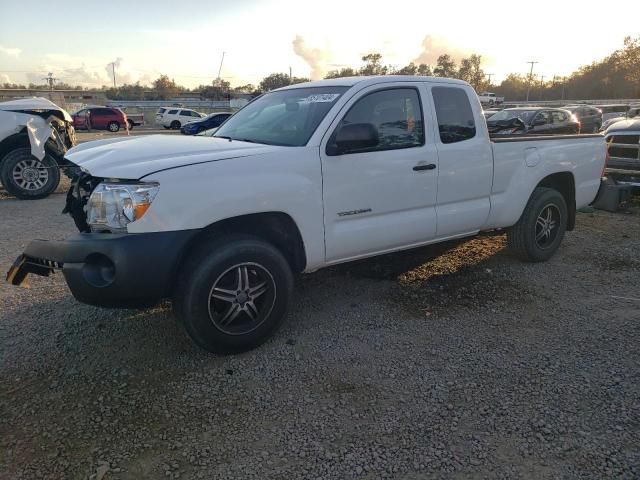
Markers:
470,364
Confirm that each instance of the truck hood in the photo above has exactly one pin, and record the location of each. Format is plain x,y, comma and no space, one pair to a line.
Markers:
137,156
624,126
36,104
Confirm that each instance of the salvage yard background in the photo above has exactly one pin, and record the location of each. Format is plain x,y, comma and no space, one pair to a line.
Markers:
470,364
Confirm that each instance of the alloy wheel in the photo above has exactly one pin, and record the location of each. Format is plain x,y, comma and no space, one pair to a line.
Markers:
30,174
547,226
242,298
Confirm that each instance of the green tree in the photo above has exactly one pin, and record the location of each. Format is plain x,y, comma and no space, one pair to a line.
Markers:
273,81
425,70
446,66
372,65
343,72
165,87
470,71
410,69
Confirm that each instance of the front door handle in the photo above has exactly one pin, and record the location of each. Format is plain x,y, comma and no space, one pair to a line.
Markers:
424,166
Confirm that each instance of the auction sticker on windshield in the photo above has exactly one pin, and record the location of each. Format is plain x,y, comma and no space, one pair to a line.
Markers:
320,98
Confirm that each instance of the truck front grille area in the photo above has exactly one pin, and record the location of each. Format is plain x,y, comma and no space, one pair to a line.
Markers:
624,151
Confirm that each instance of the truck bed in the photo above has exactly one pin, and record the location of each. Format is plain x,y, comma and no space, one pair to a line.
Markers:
521,162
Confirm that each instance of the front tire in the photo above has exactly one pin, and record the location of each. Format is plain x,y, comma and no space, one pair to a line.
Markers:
113,127
26,177
233,293
130,124
541,228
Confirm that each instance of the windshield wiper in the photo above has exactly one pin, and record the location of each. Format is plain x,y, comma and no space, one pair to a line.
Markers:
223,136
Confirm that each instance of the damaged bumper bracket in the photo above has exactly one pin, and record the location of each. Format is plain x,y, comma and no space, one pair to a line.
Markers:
24,265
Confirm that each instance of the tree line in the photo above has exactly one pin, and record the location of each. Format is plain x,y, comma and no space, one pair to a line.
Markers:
615,76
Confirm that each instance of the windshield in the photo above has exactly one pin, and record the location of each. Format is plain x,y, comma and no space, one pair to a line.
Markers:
286,117
524,115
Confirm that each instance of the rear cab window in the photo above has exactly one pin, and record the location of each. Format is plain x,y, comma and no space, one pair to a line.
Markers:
456,122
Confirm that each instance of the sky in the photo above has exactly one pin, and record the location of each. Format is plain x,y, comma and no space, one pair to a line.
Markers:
185,39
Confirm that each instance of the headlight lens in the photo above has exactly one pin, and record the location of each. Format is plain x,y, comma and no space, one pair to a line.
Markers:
112,206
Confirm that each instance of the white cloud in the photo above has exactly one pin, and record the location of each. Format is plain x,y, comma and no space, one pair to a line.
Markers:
74,71
12,52
4,78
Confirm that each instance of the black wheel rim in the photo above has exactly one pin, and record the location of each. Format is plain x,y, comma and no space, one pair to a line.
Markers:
547,225
242,298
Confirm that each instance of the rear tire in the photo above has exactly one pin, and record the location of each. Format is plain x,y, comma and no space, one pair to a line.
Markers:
541,228
175,125
26,177
113,127
233,293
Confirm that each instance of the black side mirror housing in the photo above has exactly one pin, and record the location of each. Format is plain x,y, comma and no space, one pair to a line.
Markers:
354,137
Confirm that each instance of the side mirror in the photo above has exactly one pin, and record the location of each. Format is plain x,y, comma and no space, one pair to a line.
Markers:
354,136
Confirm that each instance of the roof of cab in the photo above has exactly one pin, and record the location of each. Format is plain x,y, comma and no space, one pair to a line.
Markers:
371,80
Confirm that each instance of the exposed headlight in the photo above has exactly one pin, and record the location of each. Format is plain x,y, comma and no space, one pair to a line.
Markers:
112,206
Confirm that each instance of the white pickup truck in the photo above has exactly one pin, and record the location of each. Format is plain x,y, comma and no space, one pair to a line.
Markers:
488,98
301,178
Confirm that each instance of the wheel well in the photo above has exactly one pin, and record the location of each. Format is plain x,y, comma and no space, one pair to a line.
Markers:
277,228
17,140
564,183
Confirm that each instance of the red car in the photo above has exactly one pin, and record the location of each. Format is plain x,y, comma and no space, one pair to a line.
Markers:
101,118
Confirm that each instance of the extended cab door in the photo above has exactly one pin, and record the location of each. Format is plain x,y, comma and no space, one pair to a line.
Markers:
382,196
465,168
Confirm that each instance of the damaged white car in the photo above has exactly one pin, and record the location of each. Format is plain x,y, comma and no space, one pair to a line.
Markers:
35,134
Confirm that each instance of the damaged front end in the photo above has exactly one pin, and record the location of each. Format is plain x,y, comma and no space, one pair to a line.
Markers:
83,184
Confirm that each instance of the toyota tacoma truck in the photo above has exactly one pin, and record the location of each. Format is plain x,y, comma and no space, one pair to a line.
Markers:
304,177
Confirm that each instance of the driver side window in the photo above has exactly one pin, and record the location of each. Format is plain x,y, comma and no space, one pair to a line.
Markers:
395,114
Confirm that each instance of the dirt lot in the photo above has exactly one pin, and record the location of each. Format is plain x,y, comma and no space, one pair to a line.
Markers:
467,365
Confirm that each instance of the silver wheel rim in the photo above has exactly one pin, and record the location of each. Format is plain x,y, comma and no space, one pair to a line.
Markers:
113,127
547,226
242,298
30,174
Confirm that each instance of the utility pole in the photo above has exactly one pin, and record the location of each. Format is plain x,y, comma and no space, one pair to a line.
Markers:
290,76
489,75
220,69
541,85
113,69
530,78
50,80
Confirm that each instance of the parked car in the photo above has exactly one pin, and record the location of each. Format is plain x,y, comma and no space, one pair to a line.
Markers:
160,113
134,118
612,111
101,118
212,120
488,98
304,177
35,134
633,112
623,140
174,118
533,121
590,117
489,113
